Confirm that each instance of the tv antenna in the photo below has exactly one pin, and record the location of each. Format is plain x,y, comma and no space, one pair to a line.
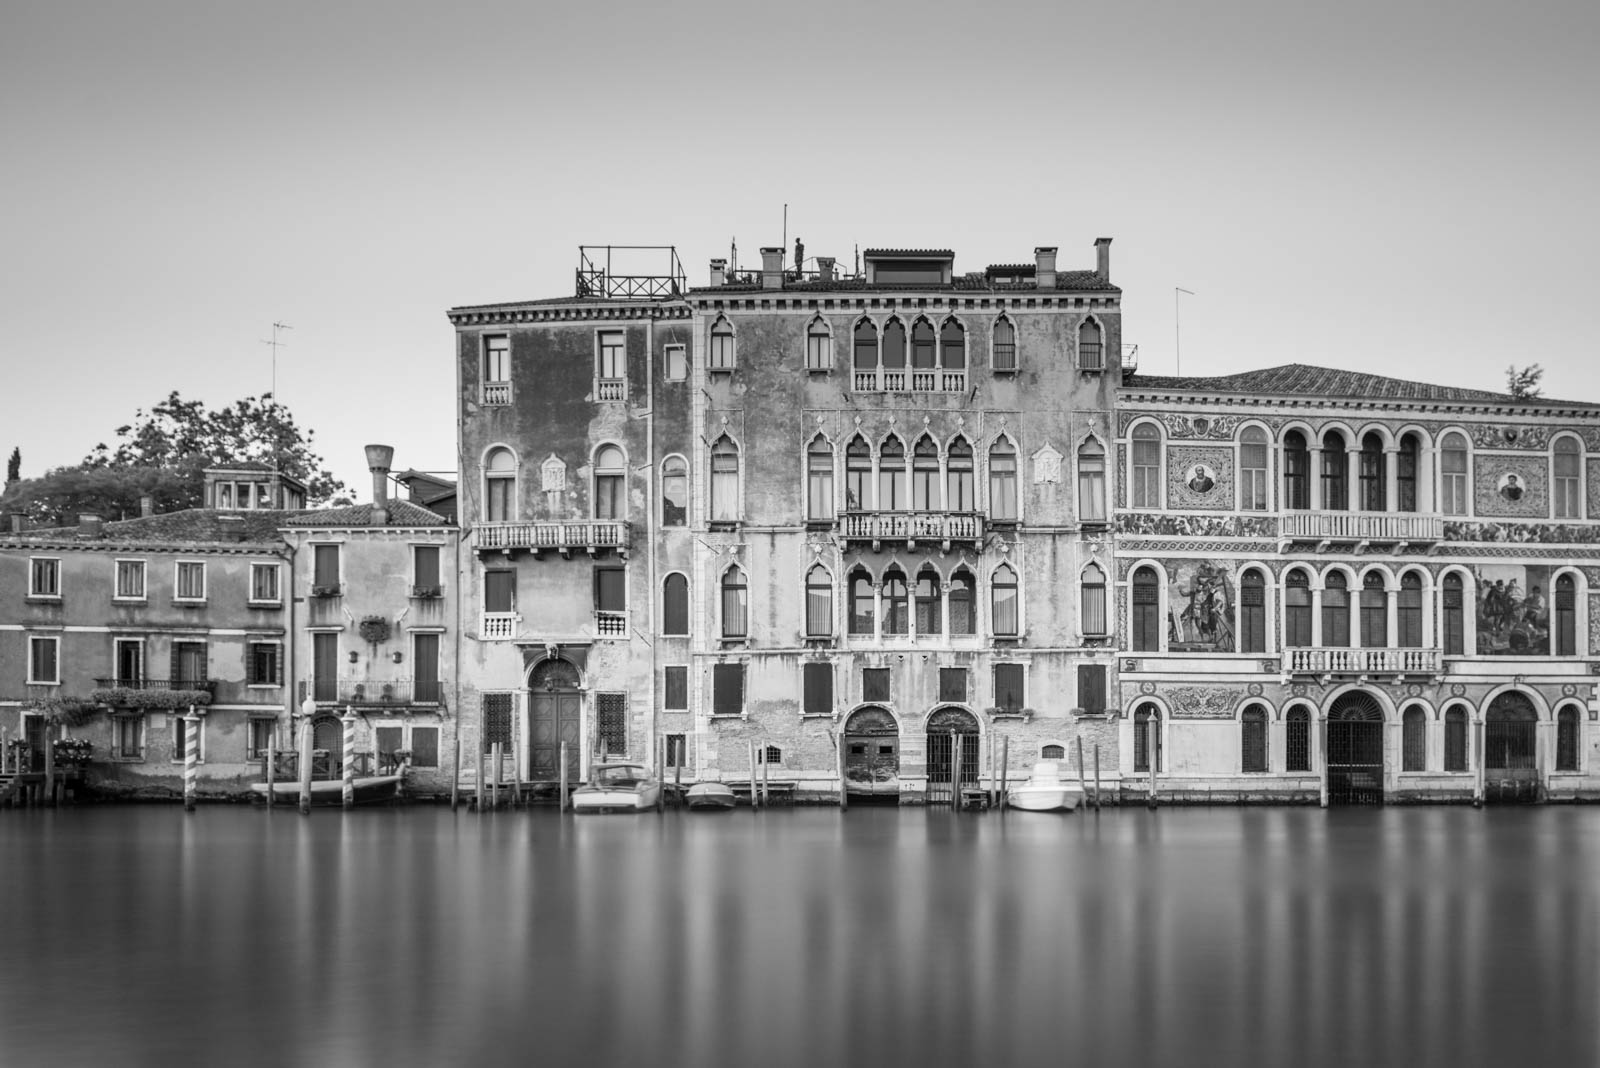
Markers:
275,343
1177,328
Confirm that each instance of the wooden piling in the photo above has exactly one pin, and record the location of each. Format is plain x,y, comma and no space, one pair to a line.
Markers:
305,766
844,791
766,791
496,756
272,767
955,772
1083,785
561,798
992,799
477,787
661,794
1005,769
191,759
1155,760
1097,776
677,776
754,801
347,792
455,777
49,767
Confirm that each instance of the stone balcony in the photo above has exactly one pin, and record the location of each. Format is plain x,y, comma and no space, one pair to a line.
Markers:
591,536
1344,662
942,528
1387,528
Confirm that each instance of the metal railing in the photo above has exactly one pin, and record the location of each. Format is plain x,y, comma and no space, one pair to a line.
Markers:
933,526
497,626
1362,526
597,534
611,624
497,393
395,691
1328,660
209,685
598,274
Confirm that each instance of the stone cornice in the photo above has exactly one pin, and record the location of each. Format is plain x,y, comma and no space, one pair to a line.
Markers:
1130,398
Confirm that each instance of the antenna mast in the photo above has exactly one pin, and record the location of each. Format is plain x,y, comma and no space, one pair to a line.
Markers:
1177,328
275,343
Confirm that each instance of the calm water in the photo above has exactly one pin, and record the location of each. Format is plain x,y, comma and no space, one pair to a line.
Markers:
1440,936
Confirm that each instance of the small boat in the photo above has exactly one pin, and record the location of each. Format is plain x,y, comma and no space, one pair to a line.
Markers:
369,789
623,787
1047,790
710,796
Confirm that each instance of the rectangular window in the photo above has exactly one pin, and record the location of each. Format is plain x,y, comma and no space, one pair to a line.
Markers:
190,665
44,660
264,664
611,718
497,712
325,570
264,584
130,580
1253,476
127,737
677,689
129,654
953,684
1092,689
44,577
180,740
424,747
612,370
191,582
677,750
497,369
500,591
817,687
425,570
1008,680
426,688
387,740
1094,604
727,689
676,359
875,684
259,738
609,589
325,666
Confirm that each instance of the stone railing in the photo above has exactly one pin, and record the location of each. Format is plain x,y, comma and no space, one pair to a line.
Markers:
613,389
611,624
1361,526
1344,661
497,626
594,534
911,526
927,380
497,393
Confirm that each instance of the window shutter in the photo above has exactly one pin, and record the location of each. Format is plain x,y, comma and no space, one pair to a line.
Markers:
1092,688
727,684
953,684
818,687
875,684
677,696
176,665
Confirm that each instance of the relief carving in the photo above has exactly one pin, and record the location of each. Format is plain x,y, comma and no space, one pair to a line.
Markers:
1200,702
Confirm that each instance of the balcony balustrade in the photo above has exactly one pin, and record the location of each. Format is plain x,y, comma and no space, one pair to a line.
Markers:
611,624
497,393
208,685
1361,526
391,691
912,526
921,381
613,389
498,626
1346,661
589,536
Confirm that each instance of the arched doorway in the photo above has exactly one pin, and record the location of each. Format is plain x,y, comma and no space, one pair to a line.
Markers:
1355,750
872,752
555,715
1510,764
946,727
327,747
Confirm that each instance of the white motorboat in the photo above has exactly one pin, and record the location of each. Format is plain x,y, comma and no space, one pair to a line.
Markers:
1047,790
710,796
623,787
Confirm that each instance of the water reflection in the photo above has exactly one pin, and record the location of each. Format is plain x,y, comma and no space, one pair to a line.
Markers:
1210,936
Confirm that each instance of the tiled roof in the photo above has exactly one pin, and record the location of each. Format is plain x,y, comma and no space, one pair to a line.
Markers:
191,526
400,514
1298,379
907,252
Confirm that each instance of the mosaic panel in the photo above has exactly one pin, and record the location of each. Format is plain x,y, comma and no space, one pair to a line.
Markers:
1513,609
1594,625
1510,485
1201,526
1200,612
1523,533
1199,477
1121,479
1511,436
1215,427
1593,495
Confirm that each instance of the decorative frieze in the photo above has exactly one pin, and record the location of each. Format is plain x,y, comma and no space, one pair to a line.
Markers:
1200,702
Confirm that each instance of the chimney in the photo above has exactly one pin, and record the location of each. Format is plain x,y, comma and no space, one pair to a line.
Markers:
1044,270
379,457
825,268
772,268
231,526
1102,264
16,521
719,272
147,504
90,525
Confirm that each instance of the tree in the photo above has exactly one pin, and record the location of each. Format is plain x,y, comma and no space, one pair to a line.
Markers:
14,466
112,493
1523,384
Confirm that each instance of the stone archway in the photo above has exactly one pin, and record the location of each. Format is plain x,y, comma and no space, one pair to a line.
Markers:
1355,750
1510,753
555,715
946,727
872,752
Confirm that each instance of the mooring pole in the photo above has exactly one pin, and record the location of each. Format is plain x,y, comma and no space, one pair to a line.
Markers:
955,772
1005,768
272,760
754,800
1083,785
1151,747
191,758
677,776
305,766
455,771
661,778
496,757
1097,776
561,798
844,794
477,788
49,766
348,760
992,791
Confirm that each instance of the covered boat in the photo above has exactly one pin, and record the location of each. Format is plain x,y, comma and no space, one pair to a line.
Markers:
1047,790
710,796
369,789
625,787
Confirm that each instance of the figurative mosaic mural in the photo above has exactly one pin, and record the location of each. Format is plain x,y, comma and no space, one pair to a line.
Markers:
1192,526
1199,478
1200,619
1523,533
1513,609
1511,485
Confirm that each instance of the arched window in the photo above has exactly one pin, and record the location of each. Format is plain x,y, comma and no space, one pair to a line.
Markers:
1090,356
1374,473
1453,474
1146,466
952,347
959,495
1567,484
963,604
1413,740
865,342
735,604
1335,473
925,475
896,603
927,597
1408,613
1002,482
1566,613
500,486
1406,472
1253,739
924,353
819,345
724,480
1146,737
1453,615
1297,740
721,357
1092,482
1252,612
1374,611
1146,611
1052,752
819,602
675,605
674,492
857,475
1455,739
1004,602
819,479
1093,592
1253,469
894,354
893,495
610,480
1567,739
863,617
1336,611
1005,345
1296,471
1296,610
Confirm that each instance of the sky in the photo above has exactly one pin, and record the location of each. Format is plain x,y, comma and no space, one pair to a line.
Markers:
1397,188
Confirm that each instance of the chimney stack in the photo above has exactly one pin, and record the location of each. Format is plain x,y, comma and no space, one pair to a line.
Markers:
1044,270
772,268
90,525
16,521
1102,266
147,504
719,272
232,527
825,268
379,457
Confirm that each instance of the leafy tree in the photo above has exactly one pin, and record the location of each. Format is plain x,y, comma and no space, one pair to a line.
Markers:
14,466
1523,384
65,492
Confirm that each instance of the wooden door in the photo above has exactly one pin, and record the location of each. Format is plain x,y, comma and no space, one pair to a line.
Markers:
555,717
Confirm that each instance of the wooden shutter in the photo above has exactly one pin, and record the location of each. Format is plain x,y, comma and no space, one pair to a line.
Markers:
427,566
499,591
953,684
727,686
1008,687
677,696
608,590
875,684
1092,688
425,747
818,689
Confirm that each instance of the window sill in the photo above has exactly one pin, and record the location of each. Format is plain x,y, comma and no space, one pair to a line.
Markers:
734,643
38,682
130,600
1003,371
719,370
1092,370
822,371
730,715
188,602
263,685
724,524
265,604
44,598
817,715
125,759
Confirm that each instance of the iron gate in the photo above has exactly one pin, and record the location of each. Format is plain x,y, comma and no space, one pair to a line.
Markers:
1510,771
1355,762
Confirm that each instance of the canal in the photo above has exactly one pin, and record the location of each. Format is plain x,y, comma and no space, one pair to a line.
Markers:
1204,936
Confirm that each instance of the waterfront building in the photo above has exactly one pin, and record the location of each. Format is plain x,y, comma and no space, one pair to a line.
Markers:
1340,586
740,527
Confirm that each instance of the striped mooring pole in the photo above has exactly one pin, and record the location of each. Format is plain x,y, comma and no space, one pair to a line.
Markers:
349,758
191,758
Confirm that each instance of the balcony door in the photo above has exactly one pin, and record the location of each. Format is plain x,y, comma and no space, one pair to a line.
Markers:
325,667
